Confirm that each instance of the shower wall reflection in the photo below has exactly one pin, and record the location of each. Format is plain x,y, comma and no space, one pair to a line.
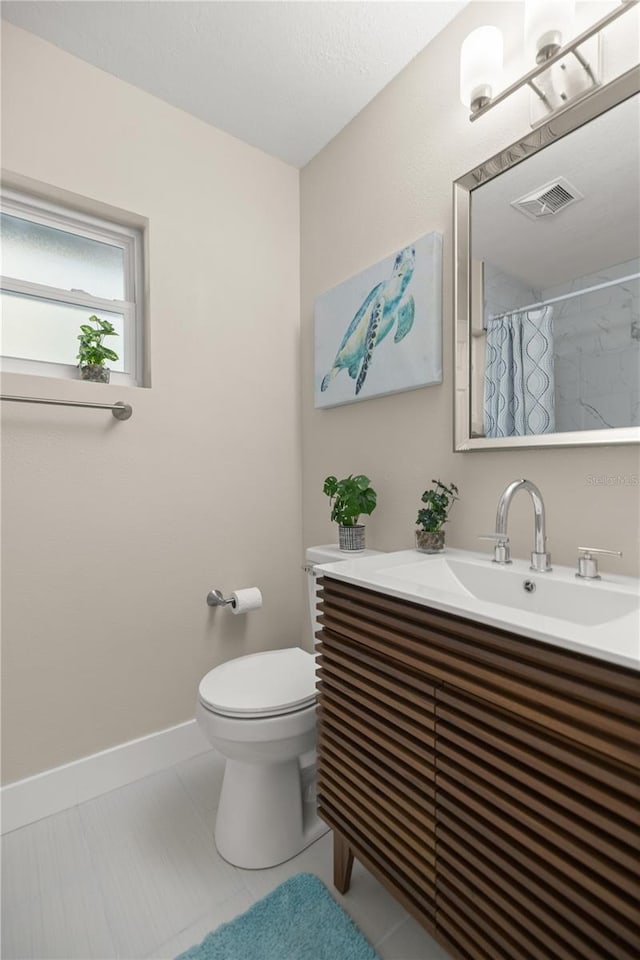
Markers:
596,344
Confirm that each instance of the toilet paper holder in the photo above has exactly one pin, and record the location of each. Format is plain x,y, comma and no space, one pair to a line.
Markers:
216,599
240,601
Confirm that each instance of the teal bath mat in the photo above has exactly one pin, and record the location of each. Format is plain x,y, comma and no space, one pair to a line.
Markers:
299,920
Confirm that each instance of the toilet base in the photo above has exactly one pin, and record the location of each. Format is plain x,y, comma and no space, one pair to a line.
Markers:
267,813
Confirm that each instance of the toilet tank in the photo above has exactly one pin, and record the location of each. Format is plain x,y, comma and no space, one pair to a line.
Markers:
326,553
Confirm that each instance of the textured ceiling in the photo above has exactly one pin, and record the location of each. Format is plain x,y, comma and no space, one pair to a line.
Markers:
283,76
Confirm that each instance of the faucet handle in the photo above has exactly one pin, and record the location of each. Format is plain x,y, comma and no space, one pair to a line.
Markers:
502,548
588,565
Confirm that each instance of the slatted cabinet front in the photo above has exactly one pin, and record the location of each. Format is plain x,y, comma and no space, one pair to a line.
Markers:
376,767
537,839
491,782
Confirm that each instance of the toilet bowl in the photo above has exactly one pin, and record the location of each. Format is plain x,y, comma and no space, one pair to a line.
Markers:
259,712
262,816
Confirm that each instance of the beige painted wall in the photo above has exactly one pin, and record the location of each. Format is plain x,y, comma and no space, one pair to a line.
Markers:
384,181
115,532
103,644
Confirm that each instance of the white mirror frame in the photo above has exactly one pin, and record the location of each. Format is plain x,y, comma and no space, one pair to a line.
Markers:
561,124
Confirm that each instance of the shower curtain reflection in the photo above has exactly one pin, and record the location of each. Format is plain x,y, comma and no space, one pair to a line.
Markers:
519,390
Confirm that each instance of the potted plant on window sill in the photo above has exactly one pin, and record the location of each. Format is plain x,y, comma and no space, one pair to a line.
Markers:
432,517
349,498
93,354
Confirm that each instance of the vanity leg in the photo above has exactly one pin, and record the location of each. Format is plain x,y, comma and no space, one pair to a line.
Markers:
342,863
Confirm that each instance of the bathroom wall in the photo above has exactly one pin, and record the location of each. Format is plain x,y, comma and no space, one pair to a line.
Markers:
115,532
383,181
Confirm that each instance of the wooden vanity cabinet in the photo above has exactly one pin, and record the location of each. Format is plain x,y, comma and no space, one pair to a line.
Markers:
376,762
489,781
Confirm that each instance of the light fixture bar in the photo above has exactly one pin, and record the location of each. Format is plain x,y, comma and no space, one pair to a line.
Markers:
568,48
539,93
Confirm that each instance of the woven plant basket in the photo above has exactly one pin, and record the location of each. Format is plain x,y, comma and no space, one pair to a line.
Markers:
351,538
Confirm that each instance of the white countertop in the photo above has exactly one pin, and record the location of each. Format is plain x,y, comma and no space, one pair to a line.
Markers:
600,618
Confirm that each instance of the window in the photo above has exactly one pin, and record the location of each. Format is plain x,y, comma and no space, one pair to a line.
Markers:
58,268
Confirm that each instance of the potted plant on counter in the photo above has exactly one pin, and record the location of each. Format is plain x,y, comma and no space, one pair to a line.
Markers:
93,354
432,517
349,499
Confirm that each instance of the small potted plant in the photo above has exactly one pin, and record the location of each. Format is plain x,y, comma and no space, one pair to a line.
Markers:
93,354
432,517
349,498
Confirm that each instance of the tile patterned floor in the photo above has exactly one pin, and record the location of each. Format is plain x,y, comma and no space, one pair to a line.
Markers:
135,874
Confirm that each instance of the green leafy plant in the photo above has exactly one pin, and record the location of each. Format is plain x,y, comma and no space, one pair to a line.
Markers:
349,498
439,502
92,350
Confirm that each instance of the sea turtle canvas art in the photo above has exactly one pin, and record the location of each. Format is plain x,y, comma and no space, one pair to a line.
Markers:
381,331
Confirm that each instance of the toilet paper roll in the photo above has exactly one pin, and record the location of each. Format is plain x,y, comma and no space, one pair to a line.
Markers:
244,600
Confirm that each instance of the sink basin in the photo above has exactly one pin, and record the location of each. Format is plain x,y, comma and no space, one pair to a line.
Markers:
544,594
597,617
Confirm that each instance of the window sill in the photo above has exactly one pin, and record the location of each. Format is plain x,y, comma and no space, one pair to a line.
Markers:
57,388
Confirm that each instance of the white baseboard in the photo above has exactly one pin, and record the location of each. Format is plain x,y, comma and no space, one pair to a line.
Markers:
58,789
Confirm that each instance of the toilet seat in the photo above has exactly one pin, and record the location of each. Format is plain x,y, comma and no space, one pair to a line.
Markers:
261,685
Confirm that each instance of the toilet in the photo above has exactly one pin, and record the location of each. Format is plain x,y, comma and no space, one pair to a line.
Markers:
259,712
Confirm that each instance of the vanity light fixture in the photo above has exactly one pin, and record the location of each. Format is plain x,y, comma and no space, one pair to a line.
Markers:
480,67
548,25
563,73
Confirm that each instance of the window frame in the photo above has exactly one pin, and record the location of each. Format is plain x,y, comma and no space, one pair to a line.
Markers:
130,239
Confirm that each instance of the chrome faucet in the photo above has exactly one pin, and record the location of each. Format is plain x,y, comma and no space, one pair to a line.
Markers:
540,559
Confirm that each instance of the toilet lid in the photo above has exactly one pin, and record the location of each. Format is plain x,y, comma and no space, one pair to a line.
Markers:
261,684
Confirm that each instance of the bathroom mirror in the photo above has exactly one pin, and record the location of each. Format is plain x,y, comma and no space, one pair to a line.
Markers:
547,282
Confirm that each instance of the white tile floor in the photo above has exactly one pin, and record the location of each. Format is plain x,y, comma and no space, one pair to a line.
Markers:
135,874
